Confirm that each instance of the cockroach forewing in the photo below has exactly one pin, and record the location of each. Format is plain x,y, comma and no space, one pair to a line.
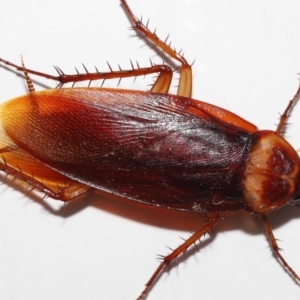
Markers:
131,143
13,156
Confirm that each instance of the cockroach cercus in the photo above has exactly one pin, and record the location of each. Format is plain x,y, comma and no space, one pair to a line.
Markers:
152,147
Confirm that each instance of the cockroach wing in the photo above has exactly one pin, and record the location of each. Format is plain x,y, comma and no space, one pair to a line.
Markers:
19,160
162,150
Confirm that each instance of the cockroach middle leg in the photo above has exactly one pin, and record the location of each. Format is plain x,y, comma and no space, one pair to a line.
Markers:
161,84
213,219
185,80
285,115
276,249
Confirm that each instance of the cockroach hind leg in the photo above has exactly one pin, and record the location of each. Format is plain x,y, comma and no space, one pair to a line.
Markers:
161,84
59,189
276,249
28,80
74,190
166,260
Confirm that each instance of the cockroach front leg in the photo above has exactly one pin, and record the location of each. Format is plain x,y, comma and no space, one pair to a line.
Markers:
166,260
276,249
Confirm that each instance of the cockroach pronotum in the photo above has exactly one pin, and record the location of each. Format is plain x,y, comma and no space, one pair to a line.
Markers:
154,148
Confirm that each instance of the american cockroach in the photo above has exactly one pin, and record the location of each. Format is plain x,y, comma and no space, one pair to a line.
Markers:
165,150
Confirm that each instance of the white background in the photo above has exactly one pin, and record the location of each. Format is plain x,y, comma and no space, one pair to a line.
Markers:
247,55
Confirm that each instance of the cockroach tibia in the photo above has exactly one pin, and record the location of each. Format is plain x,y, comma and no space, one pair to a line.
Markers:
155,148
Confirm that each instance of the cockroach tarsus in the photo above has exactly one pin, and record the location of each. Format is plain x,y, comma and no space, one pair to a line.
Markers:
151,147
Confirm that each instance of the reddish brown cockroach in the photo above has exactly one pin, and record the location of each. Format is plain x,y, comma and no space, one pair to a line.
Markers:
151,147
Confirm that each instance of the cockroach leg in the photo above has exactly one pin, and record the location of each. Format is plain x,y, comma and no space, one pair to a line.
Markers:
163,81
276,249
73,191
185,80
285,115
28,80
63,192
213,219
161,85
16,163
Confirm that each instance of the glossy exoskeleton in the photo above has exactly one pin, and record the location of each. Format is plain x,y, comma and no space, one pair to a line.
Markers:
164,150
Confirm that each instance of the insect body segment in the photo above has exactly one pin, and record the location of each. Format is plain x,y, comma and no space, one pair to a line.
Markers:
271,177
164,150
153,142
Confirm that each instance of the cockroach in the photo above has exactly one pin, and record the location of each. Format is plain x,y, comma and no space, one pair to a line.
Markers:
152,147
